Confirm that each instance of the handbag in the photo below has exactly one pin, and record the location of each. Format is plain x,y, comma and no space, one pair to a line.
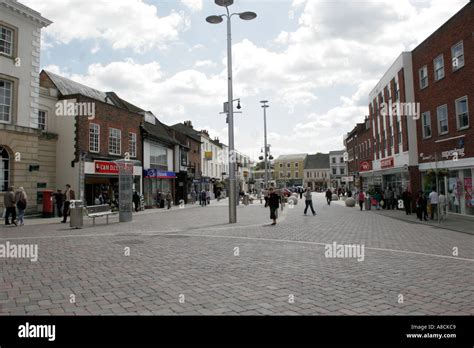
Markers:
21,205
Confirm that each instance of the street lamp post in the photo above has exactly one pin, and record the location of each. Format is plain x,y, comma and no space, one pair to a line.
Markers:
216,20
265,106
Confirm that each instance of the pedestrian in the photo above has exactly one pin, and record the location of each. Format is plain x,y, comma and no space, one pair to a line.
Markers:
421,207
136,200
10,206
208,197
300,190
203,198
361,197
274,204
329,196
442,205
308,201
59,202
265,196
406,198
168,198
68,197
378,200
434,200
193,197
21,202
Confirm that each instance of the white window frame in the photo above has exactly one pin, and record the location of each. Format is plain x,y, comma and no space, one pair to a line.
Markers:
456,62
132,144
422,77
94,131
117,138
42,126
445,106
10,107
425,125
457,113
11,43
439,69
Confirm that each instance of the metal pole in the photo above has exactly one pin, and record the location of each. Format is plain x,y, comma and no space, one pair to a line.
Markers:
266,146
232,184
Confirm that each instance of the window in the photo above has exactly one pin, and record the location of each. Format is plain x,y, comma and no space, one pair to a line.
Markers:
296,174
442,112
423,74
334,160
5,101
281,175
42,120
334,171
115,140
462,113
426,123
341,159
390,136
288,165
281,165
94,136
132,144
4,169
296,165
438,67
397,92
184,161
400,132
158,155
6,41
343,171
457,52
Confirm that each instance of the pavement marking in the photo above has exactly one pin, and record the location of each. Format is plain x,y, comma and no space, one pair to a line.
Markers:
324,244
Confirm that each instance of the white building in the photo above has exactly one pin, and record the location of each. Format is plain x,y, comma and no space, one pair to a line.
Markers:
338,168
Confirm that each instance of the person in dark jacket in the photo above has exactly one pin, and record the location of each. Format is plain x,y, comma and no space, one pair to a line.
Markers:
406,198
329,196
136,200
9,202
274,204
421,207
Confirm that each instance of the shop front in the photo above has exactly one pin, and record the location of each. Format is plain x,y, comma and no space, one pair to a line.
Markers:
157,183
101,182
397,178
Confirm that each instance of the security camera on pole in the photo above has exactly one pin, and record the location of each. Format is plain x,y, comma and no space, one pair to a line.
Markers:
230,116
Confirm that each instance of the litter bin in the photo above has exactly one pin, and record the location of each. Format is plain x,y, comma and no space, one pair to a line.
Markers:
246,200
368,203
76,214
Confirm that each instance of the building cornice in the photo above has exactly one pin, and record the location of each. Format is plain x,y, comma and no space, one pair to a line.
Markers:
15,6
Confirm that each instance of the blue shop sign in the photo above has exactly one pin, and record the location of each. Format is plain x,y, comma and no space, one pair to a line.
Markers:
158,174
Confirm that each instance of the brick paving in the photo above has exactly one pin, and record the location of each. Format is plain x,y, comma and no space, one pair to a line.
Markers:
183,262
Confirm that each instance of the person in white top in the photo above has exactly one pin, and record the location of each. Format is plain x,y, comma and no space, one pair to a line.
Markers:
434,200
442,205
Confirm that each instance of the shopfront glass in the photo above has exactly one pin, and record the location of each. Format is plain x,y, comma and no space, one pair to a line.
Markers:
459,188
151,188
398,182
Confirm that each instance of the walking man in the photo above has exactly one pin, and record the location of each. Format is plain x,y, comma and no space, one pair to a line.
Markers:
309,201
274,204
68,197
59,202
406,198
361,199
21,202
434,200
9,203
329,196
169,198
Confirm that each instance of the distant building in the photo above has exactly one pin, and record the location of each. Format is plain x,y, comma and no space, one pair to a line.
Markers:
317,173
289,170
338,168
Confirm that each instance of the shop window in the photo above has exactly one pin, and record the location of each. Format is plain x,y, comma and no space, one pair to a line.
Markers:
4,169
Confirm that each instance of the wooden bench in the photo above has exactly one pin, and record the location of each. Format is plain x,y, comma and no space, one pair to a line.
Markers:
95,211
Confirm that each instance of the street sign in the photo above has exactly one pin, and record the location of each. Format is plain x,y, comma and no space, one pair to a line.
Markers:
347,179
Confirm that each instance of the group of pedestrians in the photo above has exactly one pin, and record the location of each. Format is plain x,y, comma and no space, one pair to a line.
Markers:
13,200
274,201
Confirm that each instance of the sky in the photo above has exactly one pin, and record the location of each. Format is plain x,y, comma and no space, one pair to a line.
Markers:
315,61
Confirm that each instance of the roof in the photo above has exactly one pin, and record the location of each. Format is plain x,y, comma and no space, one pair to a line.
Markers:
317,161
296,157
159,131
192,133
26,11
69,87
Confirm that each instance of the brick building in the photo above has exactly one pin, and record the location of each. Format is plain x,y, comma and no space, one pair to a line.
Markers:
443,69
95,129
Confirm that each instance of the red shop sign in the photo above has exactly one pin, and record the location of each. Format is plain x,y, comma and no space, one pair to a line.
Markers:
103,167
365,166
387,163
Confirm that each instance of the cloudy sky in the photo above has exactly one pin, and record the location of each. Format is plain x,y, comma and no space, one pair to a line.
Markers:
314,60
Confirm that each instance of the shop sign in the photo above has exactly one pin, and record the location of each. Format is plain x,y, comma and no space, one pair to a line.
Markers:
347,179
387,163
208,155
365,166
158,174
102,167
456,153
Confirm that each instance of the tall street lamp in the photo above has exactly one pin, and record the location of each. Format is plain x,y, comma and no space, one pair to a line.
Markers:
265,106
216,20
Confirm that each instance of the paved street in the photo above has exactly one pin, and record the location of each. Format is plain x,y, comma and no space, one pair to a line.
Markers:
184,262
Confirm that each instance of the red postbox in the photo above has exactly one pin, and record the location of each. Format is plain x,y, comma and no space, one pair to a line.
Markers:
48,206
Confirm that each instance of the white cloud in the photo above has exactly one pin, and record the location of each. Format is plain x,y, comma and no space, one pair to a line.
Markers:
124,24
193,5
205,64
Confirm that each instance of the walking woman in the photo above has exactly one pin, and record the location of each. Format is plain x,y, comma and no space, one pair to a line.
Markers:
274,204
21,202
